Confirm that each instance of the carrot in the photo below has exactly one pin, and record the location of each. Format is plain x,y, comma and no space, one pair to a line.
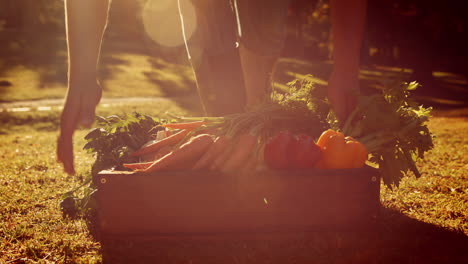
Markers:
193,149
157,154
170,140
168,133
188,125
250,164
212,153
241,152
223,156
138,166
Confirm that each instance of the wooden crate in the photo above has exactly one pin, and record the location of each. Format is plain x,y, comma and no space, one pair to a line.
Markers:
208,217
209,203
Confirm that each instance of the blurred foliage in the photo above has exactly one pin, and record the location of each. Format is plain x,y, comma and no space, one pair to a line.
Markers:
30,14
419,34
422,35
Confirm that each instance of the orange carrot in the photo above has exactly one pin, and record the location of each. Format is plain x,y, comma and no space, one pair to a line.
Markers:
138,166
189,151
212,153
223,156
241,152
170,140
169,133
250,164
157,154
188,125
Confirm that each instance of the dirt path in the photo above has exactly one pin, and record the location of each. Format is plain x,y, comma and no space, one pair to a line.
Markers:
54,104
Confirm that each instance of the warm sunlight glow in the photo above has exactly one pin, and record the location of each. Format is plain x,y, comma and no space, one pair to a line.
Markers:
162,21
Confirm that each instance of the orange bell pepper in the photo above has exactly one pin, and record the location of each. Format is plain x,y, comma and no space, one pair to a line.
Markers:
340,152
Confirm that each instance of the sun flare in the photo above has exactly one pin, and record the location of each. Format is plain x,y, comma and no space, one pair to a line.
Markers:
162,21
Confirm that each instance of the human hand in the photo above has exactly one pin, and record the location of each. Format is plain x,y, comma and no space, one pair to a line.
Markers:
343,88
79,109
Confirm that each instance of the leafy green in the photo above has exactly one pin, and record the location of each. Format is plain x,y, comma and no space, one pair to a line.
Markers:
303,108
390,123
302,97
111,143
116,137
393,127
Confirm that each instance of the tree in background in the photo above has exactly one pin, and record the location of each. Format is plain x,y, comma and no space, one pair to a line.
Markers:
423,35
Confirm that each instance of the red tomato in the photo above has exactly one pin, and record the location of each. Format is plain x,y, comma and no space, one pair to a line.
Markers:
304,152
277,150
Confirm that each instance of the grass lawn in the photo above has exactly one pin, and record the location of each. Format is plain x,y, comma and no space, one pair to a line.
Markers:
424,221
130,69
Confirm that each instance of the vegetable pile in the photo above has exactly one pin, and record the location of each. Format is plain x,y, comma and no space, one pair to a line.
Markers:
294,130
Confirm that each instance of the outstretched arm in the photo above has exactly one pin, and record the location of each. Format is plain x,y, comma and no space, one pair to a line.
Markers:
85,24
348,21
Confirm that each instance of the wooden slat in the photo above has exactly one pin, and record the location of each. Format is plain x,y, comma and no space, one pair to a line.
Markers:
208,202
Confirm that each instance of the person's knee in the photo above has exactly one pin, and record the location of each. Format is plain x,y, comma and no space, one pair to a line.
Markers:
262,26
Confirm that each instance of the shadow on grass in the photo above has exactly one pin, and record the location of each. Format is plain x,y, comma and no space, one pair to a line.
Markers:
444,91
397,239
168,69
38,121
174,79
164,71
405,240
42,52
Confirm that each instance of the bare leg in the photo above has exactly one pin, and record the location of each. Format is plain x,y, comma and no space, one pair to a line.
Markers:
348,20
220,83
262,35
257,71
215,58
